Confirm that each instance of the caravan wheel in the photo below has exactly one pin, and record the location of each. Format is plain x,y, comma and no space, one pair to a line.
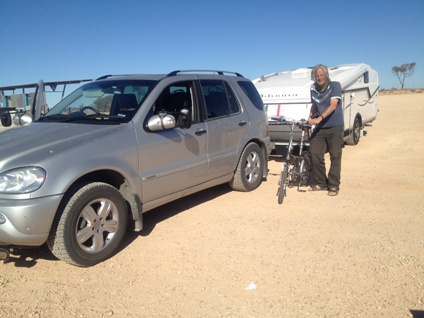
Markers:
353,138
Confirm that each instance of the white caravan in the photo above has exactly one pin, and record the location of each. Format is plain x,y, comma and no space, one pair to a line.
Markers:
287,95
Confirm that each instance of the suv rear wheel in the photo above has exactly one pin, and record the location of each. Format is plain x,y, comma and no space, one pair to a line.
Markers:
248,175
91,227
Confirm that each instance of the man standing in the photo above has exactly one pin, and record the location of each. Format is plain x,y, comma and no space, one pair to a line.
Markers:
327,116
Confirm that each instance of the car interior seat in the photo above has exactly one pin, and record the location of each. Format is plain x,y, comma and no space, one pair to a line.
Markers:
124,105
217,104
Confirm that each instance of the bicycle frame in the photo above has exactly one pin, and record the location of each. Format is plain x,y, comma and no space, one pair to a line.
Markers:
294,171
304,164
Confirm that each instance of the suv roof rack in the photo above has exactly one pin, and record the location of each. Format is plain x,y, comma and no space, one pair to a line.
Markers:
174,73
110,75
219,72
103,77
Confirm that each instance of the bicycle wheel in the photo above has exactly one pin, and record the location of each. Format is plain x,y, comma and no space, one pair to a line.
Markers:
283,184
304,172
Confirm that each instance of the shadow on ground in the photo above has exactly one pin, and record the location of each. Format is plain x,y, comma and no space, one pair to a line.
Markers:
28,257
162,213
417,313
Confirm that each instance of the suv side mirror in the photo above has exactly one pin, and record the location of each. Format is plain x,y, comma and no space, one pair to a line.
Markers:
22,119
161,121
184,119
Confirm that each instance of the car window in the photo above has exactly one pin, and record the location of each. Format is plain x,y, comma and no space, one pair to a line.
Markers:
219,98
175,97
252,93
110,98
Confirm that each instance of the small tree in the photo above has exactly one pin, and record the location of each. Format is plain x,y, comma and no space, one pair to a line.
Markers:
404,71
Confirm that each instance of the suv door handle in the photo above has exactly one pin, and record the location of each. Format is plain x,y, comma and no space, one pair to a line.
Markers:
242,123
200,131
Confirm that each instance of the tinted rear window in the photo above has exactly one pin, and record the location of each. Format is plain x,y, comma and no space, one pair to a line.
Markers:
219,98
252,93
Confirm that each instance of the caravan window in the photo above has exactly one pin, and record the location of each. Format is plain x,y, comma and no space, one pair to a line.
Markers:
366,77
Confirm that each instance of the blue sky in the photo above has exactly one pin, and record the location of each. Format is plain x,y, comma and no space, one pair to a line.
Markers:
64,40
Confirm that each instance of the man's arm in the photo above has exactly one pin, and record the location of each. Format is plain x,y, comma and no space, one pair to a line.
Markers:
328,111
331,108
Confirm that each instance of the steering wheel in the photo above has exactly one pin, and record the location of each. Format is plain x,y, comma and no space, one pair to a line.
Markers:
91,108
177,91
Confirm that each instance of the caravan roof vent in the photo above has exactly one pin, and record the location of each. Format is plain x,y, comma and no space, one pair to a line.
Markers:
301,73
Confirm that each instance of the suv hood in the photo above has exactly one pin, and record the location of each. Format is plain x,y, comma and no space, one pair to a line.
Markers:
23,146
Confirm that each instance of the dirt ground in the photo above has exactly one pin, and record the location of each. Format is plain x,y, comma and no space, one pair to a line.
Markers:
221,253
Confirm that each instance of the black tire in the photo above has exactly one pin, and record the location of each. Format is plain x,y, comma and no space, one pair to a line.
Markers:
6,119
91,227
250,169
304,172
354,137
283,184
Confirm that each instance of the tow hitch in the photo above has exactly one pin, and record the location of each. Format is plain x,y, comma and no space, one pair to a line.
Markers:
4,254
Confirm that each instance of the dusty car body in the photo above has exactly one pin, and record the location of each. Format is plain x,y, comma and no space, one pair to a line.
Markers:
120,146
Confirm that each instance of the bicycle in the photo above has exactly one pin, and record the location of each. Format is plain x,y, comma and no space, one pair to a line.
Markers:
296,168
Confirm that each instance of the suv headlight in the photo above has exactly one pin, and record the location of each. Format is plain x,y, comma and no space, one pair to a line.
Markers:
22,180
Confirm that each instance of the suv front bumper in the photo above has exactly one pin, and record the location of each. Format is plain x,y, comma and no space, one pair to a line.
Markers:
27,222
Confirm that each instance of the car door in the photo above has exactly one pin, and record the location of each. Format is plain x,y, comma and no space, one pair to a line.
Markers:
175,159
226,124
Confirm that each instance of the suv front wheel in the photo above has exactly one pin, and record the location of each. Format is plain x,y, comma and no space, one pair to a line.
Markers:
248,175
91,227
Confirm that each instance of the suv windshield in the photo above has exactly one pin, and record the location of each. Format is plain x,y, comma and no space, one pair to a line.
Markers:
112,100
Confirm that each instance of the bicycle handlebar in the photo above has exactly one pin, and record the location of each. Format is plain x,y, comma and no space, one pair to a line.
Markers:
304,124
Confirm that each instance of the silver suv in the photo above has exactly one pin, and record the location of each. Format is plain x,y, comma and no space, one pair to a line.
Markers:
120,146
